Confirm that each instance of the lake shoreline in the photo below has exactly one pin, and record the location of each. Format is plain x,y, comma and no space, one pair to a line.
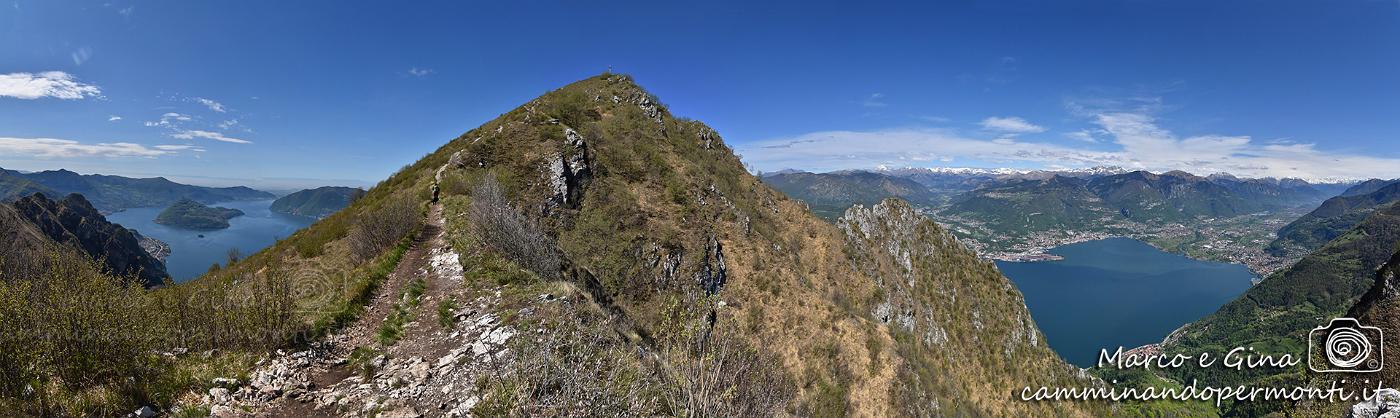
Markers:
192,252
1092,297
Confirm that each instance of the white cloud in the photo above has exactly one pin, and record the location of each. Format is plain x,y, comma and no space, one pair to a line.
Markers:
81,55
114,118
1010,124
168,147
55,84
1082,135
420,72
192,134
65,148
228,124
169,119
875,100
1143,145
212,105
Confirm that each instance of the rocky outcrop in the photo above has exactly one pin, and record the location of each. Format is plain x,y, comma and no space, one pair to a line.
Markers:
570,172
959,310
73,221
1386,404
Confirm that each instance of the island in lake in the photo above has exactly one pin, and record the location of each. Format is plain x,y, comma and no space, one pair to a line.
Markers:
317,203
190,214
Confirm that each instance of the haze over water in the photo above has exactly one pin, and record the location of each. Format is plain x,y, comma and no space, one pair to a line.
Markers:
191,255
1120,291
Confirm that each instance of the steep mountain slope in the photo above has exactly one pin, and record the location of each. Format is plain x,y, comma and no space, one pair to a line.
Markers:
829,194
648,208
1275,315
73,221
1173,195
112,193
13,185
318,202
1367,186
945,181
1057,201
1334,217
657,222
1273,192
22,243
1380,307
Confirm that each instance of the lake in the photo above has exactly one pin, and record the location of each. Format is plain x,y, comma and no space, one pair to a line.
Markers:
191,255
1120,292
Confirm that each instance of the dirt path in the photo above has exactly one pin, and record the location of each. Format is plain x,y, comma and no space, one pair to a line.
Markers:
429,371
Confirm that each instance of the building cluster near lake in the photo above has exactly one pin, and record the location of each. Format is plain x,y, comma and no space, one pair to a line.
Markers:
1240,239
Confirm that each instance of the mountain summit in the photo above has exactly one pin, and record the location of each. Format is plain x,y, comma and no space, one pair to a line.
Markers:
655,222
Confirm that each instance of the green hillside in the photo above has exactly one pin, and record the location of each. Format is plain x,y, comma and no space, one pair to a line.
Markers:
1334,217
1275,315
318,202
190,214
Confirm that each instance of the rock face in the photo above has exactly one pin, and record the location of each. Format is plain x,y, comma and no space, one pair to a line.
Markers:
190,214
73,221
1385,405
316,203
957,308
1380,307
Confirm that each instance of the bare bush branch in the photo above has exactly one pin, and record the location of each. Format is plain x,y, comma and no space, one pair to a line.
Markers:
380,229
497,224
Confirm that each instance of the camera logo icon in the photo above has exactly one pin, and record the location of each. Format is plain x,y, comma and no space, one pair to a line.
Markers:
1346,346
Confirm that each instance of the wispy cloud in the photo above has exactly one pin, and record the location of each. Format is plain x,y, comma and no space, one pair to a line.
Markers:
114,118
170,147
1142,143
169,119
1010,124
65,148
225,125
81,55
875,100
420,72
55,84
212,105
1082,135
194,133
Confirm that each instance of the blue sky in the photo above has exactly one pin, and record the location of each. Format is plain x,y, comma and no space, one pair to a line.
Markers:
300,93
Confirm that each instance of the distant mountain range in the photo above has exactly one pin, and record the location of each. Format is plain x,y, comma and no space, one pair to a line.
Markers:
1335,216
1031,199
114,193
829,194
318,202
